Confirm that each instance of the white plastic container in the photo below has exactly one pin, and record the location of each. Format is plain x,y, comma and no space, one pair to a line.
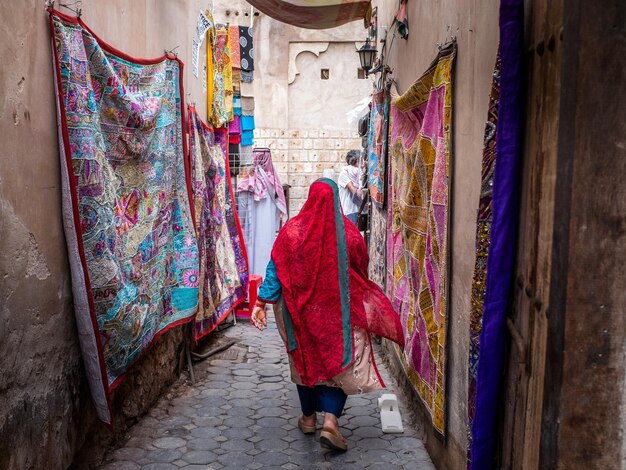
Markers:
390,418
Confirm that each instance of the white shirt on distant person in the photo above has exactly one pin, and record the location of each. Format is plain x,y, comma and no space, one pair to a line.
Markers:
349,201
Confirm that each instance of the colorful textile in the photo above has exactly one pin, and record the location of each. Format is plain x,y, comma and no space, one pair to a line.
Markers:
247,105
316,14
483,231
246,48
235,47
234,126
267,180
377,146
246,77
210,69
321,263
220,74
401,20
503,236
234,130
237,105
128,223
262,202
236,82
247,123
378,235
223,278
417,250
247,138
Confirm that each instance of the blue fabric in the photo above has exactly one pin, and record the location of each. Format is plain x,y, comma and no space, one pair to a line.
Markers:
321,398
270,290
503,237
247,123
354,217
247,137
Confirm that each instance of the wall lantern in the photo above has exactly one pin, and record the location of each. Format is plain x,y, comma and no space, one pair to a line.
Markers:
367,55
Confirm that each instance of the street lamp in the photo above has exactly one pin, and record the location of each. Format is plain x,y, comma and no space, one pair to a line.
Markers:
367,55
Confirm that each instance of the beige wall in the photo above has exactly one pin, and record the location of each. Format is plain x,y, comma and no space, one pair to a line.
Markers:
300,117
322,104
475,24
45,409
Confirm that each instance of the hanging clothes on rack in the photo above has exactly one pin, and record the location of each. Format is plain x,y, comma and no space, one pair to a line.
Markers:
262,201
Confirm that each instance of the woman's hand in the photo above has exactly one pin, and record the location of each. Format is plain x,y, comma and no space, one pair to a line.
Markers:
258,317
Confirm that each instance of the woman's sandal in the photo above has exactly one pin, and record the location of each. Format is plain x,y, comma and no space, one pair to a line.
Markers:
305,428
330,439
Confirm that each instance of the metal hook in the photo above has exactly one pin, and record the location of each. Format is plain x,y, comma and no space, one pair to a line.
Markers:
49,4
171,51
78,4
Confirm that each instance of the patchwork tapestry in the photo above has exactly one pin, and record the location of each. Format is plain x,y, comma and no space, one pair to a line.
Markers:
220,75
417,250
377,146
378,235
128,223
223,278
316,14
483,231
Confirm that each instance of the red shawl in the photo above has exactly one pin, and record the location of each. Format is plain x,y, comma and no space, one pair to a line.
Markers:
321,262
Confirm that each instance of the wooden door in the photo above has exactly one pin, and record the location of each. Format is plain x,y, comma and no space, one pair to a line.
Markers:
528,324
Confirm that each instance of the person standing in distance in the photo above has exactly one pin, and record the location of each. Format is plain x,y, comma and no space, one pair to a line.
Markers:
349,182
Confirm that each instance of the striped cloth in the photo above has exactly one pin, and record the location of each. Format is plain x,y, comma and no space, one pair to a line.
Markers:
315,14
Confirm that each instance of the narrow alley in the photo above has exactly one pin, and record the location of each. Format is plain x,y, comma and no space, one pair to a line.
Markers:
242,413
223,221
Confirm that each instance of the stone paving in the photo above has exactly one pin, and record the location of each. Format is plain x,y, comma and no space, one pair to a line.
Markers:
242,414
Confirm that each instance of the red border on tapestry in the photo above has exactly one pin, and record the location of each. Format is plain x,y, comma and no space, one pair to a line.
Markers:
207,128
74,195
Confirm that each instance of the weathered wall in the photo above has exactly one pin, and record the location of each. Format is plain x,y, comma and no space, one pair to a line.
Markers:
45,408
475,25
584,423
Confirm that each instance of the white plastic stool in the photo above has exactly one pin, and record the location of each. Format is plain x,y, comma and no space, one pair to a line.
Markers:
390,418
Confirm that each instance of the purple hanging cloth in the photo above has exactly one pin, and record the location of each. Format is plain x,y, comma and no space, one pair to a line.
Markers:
504,231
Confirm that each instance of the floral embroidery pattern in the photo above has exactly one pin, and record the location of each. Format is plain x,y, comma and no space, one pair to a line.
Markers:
124,178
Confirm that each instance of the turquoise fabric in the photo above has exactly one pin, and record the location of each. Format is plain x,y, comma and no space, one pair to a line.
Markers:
344,285
292,344
270,289
247,123
247,138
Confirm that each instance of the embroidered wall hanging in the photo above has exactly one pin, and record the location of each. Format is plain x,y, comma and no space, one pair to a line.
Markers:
377,146
223,278
417,251
483,231
127,219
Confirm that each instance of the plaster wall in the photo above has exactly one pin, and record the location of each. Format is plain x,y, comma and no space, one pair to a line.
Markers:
315,103
299,116
46,414
475,25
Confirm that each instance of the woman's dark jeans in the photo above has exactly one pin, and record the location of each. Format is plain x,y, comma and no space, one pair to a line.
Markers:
321,398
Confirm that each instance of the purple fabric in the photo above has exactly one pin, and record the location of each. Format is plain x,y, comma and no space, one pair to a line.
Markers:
234,126
504,229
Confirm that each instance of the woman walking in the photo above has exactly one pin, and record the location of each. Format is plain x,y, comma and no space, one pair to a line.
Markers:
325,310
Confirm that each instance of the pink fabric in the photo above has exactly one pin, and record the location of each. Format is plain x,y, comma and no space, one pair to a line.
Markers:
234,126
264,179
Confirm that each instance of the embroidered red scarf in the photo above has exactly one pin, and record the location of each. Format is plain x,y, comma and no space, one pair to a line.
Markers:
321,262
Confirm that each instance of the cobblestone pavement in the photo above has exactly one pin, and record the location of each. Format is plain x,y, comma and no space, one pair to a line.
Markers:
242,414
